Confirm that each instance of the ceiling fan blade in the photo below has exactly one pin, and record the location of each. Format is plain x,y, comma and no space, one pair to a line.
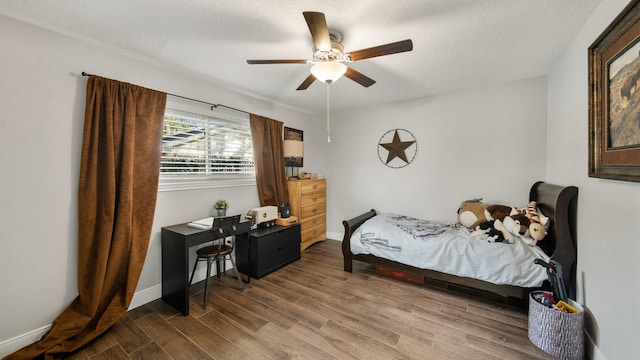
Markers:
319,30
359,77
308,81
387,49
254,62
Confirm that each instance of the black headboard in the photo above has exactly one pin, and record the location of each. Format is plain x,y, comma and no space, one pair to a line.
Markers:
559,203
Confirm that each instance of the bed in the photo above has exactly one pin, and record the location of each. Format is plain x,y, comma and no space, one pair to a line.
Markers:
556,202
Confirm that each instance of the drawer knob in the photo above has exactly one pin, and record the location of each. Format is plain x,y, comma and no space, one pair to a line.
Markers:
315,199
315,186
315,210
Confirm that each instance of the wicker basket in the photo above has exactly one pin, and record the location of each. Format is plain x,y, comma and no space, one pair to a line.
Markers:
557,333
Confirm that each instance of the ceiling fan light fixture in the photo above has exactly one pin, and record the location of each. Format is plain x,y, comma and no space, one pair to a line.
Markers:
328,71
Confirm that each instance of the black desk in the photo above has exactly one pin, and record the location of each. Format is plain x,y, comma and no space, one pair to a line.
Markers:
176,241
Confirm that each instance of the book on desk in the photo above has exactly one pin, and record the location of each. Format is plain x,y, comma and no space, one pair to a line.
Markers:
204,224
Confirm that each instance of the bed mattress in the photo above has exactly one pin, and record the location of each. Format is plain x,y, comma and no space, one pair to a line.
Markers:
449,248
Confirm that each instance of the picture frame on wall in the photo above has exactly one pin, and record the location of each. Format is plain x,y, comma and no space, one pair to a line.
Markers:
293,147
614,99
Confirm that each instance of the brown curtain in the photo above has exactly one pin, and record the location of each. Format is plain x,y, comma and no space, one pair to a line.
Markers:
116,202
269,156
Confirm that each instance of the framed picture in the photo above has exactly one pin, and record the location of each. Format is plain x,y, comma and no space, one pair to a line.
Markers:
614,99
293,147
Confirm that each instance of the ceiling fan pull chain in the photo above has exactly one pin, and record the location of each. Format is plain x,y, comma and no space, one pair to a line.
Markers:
328,113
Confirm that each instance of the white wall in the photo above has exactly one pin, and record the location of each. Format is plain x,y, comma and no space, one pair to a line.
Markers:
608,219
42,99
487,142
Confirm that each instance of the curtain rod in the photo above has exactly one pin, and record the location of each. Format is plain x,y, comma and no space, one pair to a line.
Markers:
213,106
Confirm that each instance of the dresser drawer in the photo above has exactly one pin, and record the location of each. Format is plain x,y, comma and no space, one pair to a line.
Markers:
310,240
313,210
313,186
313,199
311,222
319,231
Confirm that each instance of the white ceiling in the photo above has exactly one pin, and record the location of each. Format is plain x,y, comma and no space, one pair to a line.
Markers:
457,43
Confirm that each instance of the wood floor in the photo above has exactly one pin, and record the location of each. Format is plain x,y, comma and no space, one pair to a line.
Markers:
311,309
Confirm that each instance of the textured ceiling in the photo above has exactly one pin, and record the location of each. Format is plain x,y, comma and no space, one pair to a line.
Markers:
457,43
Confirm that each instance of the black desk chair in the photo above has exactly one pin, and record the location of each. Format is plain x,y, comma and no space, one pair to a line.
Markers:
218,251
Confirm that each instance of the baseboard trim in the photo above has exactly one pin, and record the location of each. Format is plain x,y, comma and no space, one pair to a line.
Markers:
16,343
591,350
334,236
145,296
139,298
155,292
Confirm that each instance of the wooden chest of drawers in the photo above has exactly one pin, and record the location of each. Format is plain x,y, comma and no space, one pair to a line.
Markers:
308,201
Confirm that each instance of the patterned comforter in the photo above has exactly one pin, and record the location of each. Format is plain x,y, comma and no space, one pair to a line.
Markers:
448,248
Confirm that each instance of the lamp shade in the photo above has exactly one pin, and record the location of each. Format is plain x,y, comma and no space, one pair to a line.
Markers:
293,148
293,153
328,71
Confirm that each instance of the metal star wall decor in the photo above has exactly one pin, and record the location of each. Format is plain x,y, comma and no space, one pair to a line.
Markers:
397,148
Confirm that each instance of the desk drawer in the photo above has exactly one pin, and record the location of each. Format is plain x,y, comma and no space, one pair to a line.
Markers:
274,260
276,241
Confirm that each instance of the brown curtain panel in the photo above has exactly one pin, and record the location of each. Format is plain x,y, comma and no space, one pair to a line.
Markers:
119,172
269,156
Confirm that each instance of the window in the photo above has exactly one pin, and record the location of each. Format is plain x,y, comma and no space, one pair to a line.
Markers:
212,147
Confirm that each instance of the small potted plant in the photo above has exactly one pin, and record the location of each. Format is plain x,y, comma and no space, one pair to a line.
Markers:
221,207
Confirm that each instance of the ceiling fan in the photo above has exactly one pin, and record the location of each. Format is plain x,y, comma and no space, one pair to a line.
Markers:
329,56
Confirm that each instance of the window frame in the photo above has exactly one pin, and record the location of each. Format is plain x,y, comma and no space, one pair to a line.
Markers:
176,182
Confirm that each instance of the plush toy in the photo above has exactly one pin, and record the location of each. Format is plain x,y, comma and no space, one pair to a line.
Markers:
492,231
499,212
533,212
508,238
486,231
471,213
537,230
521,224
518,224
